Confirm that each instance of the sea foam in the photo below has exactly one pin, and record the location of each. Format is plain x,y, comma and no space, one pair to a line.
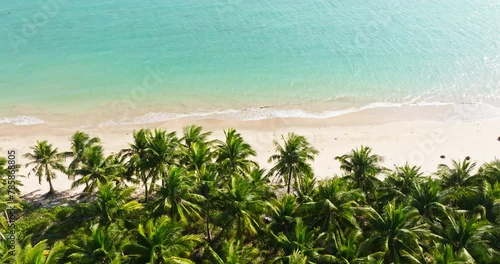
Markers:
260,113
21,120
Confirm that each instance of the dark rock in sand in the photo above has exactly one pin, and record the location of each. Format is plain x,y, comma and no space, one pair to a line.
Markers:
442,156
467,158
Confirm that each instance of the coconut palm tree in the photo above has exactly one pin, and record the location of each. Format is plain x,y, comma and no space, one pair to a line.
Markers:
283,213
101,246
242,209
490,171
40,253
301,240
443,254
9,188
361,167
484,199
429,199
458,175
334,206
197,155
96,169
194,134
292,159
305,190
209,186
161,153
398,232
80,142
6,255
297,257
233,154
260,180
178,197
401,183
161,241
468,236
234,252
137,163
46,160
113,203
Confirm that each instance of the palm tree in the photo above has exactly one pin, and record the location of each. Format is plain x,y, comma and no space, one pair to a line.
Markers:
197,155
305,190
137,163
233,154
209,184
6,255
429,199
80,142
161,241
484,199
301,240
283,213
46,160
468,236
194,134
260,181
9,191
400,184
458,175
443,254
40,253
344,251
242,208
361,167
398,232
297,257
101,246
234,252
113,203
96,169
178,197
292,159
161,152
490,171
334,206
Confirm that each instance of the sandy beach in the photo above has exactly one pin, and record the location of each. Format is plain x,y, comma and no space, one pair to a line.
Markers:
418,136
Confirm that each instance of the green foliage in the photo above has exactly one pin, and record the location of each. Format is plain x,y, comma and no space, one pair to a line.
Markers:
292,159
46,160
361,167
206,201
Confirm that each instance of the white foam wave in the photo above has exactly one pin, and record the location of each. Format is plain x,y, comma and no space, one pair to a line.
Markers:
260,113
21,120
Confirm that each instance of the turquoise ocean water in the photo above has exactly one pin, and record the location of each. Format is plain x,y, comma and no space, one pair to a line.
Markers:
281,58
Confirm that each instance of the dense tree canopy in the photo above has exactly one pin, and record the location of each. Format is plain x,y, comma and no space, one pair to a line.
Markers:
187,199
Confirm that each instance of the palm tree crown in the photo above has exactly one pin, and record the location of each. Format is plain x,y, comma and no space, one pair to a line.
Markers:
46,160
292,160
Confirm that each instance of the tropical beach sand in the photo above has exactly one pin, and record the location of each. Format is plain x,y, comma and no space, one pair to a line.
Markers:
418,136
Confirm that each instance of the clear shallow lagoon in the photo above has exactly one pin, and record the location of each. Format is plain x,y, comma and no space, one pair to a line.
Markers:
190,56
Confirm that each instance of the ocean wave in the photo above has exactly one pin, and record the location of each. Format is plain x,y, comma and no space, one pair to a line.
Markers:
21,120
260,113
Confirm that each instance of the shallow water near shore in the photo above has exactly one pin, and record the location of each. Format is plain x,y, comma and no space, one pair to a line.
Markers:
160,60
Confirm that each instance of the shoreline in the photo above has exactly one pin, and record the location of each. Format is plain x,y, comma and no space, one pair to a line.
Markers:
123,115
415,135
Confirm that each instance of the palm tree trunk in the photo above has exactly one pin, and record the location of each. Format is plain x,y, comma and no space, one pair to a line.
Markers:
207,222
289,181
238,229
51,190
146,191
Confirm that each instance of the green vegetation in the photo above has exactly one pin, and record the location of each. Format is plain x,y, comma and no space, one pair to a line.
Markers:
202,201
